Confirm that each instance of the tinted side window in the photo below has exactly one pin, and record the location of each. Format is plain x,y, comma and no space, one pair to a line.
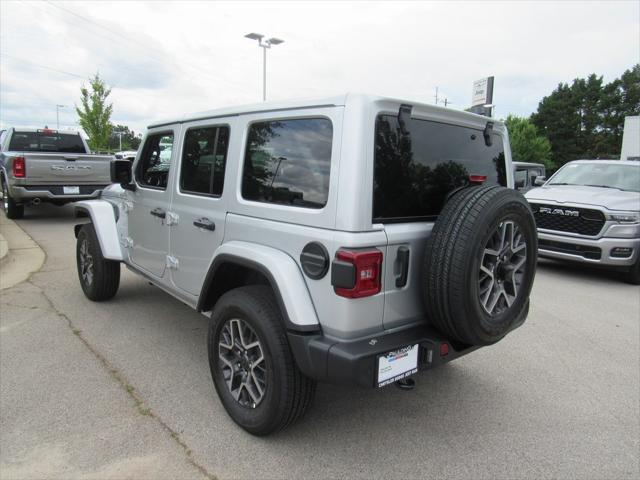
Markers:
204,157
155,161
416,169
520,178
288,162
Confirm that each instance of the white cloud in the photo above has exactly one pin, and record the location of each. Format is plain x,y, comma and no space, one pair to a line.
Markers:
164,59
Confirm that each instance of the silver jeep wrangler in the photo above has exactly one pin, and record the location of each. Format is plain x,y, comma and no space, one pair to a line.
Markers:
354,239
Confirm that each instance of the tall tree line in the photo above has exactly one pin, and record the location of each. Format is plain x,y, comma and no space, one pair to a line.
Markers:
586,119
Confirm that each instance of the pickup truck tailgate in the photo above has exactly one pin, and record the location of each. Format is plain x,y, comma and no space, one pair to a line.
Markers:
67,169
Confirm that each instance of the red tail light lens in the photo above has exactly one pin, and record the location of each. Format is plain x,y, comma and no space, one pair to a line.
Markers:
367,267
478,179
19,167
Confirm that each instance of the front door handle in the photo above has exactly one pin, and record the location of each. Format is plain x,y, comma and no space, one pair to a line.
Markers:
205,223
158,212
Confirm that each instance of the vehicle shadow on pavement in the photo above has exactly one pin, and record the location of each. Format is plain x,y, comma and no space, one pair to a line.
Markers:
569,269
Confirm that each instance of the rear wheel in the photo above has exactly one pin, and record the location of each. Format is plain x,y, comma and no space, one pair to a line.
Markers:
99,277
252,366
11,208
480,263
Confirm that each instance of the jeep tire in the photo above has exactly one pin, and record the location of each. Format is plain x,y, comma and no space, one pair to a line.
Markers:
479,264
251,363
9,205
99,277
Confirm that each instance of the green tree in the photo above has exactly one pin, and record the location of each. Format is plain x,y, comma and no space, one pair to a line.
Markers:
526,144
586,119
95,114
130,140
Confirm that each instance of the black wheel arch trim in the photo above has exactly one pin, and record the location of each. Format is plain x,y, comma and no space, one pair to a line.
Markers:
233,259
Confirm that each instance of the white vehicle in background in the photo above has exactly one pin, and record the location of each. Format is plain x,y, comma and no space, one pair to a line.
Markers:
589,212
126,155
631,139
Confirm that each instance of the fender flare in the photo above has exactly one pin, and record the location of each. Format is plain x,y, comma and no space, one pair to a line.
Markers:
103,218
283,275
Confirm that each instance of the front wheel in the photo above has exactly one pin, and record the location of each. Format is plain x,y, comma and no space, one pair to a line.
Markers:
252,366
99,277
11,208
632,275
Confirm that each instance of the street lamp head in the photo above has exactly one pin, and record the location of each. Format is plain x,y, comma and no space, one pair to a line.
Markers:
254,36
275,41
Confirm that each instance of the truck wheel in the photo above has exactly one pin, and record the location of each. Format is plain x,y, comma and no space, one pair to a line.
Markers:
99,277
253,370
11,208
632,275
479,264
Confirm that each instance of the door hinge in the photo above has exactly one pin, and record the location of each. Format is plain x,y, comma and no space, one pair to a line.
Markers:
126,242
172,262
171,219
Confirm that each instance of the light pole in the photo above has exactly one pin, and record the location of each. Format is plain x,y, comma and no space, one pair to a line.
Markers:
58,107
264,44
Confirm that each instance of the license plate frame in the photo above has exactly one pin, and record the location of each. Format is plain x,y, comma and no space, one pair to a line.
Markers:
396,364
71,190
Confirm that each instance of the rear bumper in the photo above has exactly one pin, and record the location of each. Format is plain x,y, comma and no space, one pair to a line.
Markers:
26,193
589,251
355,362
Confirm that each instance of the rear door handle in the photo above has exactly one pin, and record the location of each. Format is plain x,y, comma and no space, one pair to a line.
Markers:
158,212
403,258
205,223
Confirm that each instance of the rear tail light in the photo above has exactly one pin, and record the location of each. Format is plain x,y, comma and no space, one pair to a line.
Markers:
444,349
356,273
19,167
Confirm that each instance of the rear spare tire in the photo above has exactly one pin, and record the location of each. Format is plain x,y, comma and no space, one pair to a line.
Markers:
479,264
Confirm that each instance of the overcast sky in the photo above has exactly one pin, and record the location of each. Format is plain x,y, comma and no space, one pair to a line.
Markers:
165,58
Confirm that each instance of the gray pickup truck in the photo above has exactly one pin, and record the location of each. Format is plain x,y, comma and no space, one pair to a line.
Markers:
44,165
589,212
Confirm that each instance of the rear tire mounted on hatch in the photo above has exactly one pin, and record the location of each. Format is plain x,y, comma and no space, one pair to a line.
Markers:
479,265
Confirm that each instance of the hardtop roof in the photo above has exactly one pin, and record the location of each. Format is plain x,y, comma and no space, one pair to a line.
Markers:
297,104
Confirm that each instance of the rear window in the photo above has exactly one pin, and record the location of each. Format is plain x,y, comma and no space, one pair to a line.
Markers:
416,170
46,141
288,162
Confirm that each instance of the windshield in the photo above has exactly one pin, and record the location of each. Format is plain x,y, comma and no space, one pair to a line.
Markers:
46,141
603,175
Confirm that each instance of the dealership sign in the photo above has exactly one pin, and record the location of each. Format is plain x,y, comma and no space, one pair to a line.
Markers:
482,92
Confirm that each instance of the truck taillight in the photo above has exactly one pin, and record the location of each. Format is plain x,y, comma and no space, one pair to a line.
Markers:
19,167
356,273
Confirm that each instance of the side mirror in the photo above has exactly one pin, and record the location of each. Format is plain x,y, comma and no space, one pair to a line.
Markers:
519,184
539,181
121,173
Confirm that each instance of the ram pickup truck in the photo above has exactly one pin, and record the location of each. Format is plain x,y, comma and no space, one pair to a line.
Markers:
44,165
589,212
351,240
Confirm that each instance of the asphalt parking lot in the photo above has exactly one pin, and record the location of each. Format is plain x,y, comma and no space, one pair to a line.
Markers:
122,389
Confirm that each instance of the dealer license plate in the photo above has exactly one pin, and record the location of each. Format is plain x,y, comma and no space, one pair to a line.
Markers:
396,365
71,190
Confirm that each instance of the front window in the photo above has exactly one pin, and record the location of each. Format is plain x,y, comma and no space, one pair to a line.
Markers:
155,161
416,169
603,175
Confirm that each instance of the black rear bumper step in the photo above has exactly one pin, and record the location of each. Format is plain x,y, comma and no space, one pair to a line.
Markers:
330,361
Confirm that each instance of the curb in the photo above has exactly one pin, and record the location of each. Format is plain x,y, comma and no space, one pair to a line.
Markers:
4,249
22,256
